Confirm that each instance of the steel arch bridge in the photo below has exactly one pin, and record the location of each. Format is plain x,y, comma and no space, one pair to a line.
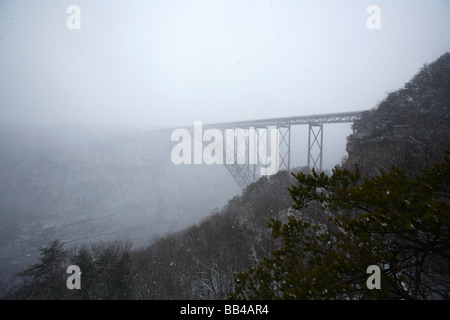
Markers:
245,172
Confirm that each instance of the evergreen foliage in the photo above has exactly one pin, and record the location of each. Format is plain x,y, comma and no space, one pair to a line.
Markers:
106,273
399,224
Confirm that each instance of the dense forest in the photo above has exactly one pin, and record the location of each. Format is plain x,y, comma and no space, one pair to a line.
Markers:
299,235
409,128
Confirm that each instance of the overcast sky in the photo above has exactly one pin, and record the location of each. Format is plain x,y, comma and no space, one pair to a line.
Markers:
170,62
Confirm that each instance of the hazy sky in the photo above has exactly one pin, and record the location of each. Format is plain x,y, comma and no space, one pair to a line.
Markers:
170,62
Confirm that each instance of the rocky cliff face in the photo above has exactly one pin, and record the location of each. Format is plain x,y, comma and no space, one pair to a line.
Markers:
409,128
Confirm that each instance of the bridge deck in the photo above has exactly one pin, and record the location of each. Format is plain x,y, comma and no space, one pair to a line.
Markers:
342,117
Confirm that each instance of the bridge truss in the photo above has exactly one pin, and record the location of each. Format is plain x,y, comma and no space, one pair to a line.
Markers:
245,172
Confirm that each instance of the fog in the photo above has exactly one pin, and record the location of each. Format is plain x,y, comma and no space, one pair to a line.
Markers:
168,63
78,106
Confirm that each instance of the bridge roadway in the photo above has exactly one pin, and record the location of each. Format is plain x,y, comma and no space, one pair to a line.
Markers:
342,117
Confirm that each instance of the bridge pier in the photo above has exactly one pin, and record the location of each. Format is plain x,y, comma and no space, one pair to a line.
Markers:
315,156
284,147
241,164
